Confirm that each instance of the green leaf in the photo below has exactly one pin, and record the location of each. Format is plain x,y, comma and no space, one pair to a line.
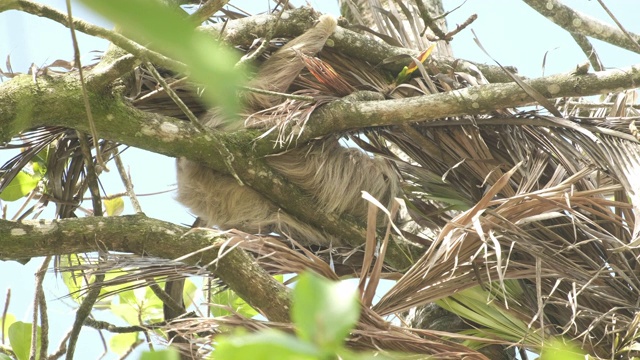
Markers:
121,343
72,279
323,311
558,349
231,299
20,186
167,31
189,292
8,320
114,206
5,357
264,345
139,304
168,354
127,312
20,339
40,161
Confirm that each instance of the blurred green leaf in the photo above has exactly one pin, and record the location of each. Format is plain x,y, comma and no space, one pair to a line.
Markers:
5,357
40,161
323,311
169,32
121,343
558,349
138,305
189,292
264,345
127,312
231,299
487,309
114,206
20,339
168,354
20,186
72,279
8,320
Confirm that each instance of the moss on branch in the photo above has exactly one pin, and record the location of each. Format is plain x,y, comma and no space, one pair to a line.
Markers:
141,235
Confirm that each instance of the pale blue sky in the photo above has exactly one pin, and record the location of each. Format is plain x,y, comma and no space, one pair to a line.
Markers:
509,30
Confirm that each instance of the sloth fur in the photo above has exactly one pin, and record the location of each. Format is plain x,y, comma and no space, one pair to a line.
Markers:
332,174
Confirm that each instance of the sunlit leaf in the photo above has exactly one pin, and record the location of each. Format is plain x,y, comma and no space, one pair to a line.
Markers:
557,349
20,339
121,343
8,320
323,311
72,279
189,292
114,206
21,185
264,345
231,299
168,354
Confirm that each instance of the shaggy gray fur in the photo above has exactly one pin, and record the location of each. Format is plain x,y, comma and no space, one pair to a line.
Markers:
332,174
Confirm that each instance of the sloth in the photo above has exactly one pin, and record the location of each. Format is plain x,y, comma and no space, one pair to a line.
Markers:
330,173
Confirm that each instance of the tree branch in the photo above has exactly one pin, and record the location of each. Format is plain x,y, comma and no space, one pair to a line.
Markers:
140,235
579,23
295,22
206,10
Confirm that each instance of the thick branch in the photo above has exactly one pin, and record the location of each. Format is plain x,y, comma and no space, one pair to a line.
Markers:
140,235
576,22
295,22
342,116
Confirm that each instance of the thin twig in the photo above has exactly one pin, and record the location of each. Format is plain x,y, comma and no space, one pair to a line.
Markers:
121,194
145,332
42,306
449,36
279,94
588,50
83,313
23,206
164,297
626,33
576,22
7,300
128,185
172,94
62,349
131,348
429,22
44,326
160,90
92,176
206,10
42,271
265,41
85,95
103,325
105,348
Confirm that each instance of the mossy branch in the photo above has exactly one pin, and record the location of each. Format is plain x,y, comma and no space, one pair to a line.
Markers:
141,235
